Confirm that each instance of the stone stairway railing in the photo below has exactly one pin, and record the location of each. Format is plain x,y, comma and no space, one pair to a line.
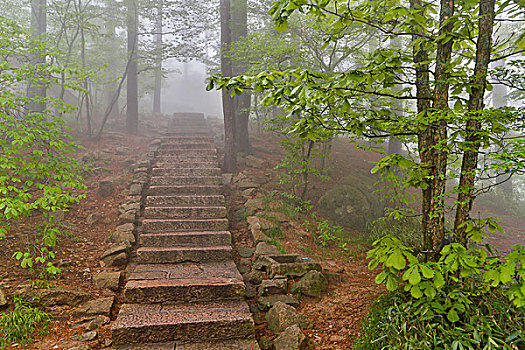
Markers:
185,291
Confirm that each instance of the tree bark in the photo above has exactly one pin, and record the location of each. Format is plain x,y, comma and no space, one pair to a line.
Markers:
37,88
132,111
239,30
158,68
473,126
230,153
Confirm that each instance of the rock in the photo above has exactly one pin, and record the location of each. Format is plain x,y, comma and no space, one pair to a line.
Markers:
253,162
282,316
244,265
264,248
79,347
116,255
244,184
125,228
110,280
98,321
95,307
253,205
128,217
332,277
128,163
258,235
120,151
245,252
135,190
156,142
248,193
250,292
271,287
227,178
353,203
291,339
106,188
265,343
50,297
254,277
89,336
3,299
94,218
266,224
311,284
253,221
265,303
127,238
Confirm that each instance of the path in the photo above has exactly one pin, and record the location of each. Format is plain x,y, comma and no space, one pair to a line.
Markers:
185,292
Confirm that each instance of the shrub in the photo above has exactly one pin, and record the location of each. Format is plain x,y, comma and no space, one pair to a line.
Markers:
22,324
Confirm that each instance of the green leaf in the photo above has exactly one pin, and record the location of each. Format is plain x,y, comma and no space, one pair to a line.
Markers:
416,292
452,315
396,260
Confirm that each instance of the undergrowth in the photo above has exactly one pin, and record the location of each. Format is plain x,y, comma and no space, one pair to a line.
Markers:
22,324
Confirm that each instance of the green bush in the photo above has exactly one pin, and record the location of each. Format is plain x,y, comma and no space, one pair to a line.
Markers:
22,324
398,321
406,229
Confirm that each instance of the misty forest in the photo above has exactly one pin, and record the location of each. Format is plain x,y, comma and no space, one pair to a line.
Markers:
262,174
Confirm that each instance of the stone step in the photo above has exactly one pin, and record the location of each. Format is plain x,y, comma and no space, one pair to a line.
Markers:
186,145
186,158
186,172
178,152
189,138
186,165
186,282
185,201
183,225
236,344
186,239
185,212
198,132
184,190
154,323
185,180
174,255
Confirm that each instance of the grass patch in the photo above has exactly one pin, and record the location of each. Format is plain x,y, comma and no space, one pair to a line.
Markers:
22,324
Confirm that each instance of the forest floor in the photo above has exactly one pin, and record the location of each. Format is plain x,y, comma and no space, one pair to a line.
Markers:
337,316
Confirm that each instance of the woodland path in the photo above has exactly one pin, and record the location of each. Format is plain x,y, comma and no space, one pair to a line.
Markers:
184,292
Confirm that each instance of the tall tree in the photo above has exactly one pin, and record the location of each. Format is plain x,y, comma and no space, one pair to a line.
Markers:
230,152
37,88
239,31
158,63
132,111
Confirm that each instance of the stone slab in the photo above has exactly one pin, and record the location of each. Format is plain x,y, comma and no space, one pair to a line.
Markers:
183,225
186,239
154,255
185,201
185,212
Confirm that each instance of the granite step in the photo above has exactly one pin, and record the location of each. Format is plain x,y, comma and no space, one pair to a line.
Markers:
234,344
185,212
185,180
186,172
189,133
183,225
186,145
184,190
177,152
174,255
186,282
186,239
185,158
185,201
186,165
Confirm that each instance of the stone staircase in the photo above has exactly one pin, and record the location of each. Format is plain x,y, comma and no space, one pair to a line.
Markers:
185,292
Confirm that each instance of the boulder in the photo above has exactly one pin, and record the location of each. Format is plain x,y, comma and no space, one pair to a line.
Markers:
110,280
253,205
311,284
245,252
291,339
264,248
135,190
89,336
95,307
106,188
271,287
282,316
56,296
265,303
116,255
127,238
254,277
352,203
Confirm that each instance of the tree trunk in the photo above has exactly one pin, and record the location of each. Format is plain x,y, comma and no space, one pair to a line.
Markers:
473,128
158,68
230,153
86,83
37,88
239,30
132,111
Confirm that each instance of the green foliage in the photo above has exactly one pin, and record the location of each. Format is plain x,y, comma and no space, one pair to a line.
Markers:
38,174
22,324
397,321
274,232
406,229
